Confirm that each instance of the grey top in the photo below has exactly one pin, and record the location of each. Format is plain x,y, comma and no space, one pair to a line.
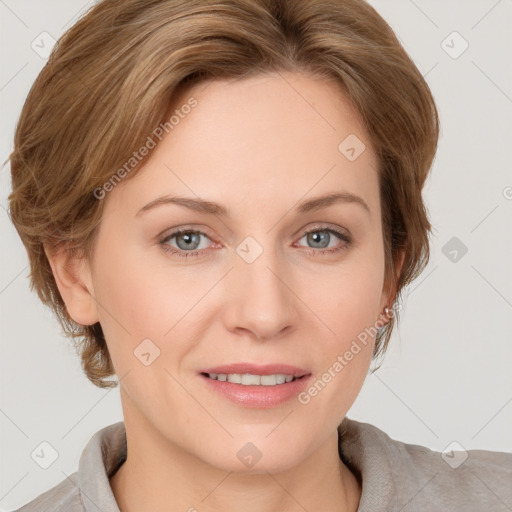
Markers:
395,476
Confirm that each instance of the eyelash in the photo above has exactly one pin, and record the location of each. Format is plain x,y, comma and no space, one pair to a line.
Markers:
315,252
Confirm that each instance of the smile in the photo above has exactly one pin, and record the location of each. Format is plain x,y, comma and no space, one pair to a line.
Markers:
248,379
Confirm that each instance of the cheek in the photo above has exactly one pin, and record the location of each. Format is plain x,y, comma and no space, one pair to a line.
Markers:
350,307
351,295
133,306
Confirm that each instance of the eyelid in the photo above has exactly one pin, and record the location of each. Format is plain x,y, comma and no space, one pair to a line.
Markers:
321,226
203,230
173,232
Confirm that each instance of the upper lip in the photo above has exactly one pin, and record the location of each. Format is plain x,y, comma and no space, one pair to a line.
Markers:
255,369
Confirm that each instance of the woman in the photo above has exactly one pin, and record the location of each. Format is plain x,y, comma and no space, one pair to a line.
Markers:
222,203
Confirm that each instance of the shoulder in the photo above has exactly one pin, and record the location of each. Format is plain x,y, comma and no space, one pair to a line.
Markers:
469,480
415,477
64,497
101,457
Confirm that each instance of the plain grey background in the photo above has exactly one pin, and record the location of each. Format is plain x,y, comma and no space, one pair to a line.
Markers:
446,377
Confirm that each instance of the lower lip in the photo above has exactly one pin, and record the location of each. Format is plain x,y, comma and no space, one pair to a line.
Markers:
258,396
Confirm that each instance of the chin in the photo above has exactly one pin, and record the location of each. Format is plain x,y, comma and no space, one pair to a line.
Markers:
255,457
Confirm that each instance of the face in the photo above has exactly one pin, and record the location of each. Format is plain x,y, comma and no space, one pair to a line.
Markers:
267,282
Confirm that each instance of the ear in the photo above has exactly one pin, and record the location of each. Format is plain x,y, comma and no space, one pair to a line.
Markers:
389,291
74,281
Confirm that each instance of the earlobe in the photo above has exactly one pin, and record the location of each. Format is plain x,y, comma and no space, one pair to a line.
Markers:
74,281
390,291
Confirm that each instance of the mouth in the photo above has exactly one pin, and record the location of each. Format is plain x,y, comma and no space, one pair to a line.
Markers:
249,385
251,379
257,370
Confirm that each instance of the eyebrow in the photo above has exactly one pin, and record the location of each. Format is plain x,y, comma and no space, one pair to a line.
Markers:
209,207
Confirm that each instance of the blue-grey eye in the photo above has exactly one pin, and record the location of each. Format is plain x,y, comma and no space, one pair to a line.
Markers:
188,240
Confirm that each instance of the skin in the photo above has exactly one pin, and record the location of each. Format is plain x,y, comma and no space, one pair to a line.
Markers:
258,146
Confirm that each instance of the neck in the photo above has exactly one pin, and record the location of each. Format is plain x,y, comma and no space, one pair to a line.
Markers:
158,475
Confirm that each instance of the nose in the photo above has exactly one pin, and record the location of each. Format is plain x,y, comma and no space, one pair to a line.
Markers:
260,299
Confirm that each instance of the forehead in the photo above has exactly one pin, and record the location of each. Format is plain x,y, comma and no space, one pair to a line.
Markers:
299,104
251,139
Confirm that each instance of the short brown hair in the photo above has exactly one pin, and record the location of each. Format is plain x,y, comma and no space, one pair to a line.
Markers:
111,78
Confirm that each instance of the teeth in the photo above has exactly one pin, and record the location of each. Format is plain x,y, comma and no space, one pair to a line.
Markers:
248,379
